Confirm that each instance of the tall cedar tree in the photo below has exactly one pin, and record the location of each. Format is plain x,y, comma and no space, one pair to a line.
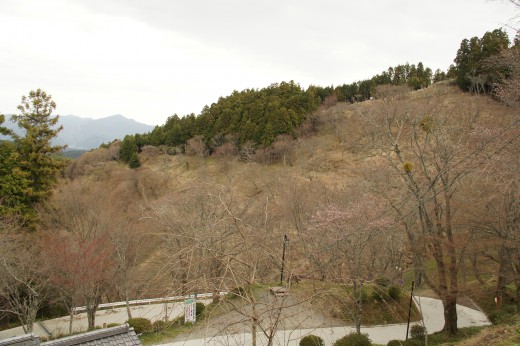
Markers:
13,182
36,154
473,74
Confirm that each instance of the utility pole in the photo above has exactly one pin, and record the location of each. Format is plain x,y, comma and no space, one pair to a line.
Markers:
285,242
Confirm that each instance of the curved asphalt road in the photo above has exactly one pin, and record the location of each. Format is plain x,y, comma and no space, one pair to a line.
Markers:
431,309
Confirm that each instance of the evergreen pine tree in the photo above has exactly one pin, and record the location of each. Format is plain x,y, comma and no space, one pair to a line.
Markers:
32,165
134,161
128,148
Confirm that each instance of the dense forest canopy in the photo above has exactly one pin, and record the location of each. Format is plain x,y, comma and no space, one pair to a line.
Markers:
476,63
258,117
250,115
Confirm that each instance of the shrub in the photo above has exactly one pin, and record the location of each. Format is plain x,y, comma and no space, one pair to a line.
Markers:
140,325
377,294
413,342
158,326
199,309
363,293
417,332
427,123
179,321
510,309
134,161
408,167
394,343
110,325
354,339
383,281
500,317
394,292
311,340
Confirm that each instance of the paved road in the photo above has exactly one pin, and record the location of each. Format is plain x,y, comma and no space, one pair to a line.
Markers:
431,308
60,325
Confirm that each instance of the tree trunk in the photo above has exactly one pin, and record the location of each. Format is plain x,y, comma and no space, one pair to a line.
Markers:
419,271
91,317
517,283
253,331
516,267
502,273
358,293
91,306
463,269
70,304
29,322
24,327
450,314
475,270
128,311
71,320
254,319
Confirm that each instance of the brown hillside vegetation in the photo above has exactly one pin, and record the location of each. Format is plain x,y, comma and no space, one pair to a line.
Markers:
346,197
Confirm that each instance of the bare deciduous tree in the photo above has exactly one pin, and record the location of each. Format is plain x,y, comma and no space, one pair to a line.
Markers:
80,218
351,230
23,279
426,145
217,239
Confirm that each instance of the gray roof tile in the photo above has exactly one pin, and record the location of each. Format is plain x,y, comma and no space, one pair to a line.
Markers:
122,335
24,340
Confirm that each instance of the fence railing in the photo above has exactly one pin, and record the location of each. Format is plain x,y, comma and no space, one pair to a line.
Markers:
80,309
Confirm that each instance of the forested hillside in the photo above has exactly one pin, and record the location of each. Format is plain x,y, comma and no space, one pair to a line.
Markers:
253,119
371,185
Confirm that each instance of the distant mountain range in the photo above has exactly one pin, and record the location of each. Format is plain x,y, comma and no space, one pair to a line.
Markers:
88,133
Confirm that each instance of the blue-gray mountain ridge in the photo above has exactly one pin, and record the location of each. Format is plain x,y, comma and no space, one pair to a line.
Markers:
88,133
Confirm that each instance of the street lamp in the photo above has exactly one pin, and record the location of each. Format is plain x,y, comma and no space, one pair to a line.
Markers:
285,242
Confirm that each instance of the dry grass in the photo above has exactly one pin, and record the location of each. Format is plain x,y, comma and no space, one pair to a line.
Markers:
338,301
335,157
496,336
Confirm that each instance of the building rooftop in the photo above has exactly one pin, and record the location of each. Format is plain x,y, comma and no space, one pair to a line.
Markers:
24,340
116,336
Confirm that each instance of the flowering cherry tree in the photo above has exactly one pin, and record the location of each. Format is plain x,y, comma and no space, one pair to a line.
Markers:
340,237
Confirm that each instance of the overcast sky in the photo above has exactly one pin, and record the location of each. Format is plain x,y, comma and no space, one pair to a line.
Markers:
149,59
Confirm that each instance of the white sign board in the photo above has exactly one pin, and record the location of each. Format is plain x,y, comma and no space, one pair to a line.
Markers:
190,313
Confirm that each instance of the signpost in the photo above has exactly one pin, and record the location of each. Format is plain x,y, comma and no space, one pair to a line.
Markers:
190,313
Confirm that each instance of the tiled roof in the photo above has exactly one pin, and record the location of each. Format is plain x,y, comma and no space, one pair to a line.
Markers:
24,340
117,336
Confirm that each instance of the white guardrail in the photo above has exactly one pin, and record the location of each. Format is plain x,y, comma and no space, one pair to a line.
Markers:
80,309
